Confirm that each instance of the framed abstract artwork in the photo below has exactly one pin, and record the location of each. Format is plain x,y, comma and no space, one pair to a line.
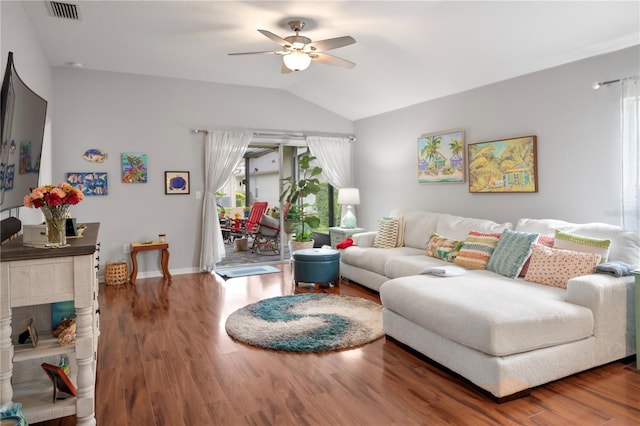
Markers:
90,183
134,167
508,165
176,183
441,157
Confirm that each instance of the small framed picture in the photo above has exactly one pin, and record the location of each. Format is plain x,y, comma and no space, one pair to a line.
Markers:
33,333
176,183
60,380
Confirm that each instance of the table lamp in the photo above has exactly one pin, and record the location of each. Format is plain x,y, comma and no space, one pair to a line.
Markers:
349,197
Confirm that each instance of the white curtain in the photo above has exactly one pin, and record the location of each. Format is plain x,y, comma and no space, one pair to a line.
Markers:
222,153
631,153
334,156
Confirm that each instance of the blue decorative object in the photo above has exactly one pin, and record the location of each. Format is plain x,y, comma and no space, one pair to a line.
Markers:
13,411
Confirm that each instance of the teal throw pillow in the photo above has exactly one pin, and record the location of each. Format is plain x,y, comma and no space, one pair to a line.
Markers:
513,250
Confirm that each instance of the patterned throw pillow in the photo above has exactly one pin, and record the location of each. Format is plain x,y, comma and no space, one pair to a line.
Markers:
554,267
443,248
477,249
400,219
543,240
513,249
387,235
567,241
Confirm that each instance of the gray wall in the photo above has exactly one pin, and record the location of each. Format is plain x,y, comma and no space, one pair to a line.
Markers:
130,113
578,132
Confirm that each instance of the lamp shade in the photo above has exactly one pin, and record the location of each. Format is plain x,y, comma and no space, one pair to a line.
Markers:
297,61
349,196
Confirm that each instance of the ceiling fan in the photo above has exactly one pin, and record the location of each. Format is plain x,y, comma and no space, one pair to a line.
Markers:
298,51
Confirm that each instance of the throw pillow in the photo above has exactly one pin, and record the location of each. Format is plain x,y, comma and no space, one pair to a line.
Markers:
513,249
442,247
387,235
477,249
400,219
554,267
543,240
568,241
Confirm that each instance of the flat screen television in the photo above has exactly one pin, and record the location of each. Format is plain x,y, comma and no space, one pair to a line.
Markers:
23,119
23,115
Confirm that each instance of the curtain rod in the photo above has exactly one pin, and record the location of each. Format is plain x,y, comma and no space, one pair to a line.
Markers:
598,84
300,136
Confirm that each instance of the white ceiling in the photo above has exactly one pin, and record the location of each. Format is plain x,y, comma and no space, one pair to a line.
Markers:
406,52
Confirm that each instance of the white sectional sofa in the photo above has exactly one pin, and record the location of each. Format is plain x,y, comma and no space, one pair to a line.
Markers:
505,335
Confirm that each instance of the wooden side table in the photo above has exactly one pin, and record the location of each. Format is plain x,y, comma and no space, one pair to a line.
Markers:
137,247
637,297
338,234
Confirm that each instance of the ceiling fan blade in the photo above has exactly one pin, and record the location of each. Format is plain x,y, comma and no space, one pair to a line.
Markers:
273,37
325,58
264,52
331,43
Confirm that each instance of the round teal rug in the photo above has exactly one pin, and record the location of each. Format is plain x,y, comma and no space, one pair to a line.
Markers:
310,322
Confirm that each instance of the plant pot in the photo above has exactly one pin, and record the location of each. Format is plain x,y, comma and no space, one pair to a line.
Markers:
289,227
299,245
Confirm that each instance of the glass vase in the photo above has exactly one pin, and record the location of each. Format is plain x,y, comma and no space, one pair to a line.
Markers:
56,222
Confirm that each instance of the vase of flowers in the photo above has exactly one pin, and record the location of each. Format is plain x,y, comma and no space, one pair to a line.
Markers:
55,203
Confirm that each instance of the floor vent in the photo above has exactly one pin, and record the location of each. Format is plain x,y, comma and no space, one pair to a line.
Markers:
63,10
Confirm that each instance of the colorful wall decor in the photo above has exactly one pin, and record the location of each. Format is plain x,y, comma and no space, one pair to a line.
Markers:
90,183
134,168
95,155
508,165
176,183
441,157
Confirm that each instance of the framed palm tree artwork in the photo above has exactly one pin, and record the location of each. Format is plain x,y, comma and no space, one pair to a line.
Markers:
508,165
441,157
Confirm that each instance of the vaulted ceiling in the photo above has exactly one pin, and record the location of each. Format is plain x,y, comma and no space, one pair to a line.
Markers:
406,52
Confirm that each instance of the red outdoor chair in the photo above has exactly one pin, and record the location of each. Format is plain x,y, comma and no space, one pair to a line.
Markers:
253,221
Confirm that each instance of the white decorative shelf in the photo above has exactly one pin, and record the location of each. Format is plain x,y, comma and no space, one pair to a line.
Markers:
36,397
47,346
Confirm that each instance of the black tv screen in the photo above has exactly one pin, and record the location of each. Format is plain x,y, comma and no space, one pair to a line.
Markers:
23,118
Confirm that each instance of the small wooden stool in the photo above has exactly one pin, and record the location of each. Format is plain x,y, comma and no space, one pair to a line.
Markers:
156,245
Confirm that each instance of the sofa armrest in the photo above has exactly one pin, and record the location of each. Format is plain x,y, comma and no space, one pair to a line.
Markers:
364,239
612,302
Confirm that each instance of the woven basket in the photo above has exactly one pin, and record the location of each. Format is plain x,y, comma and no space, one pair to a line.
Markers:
116,273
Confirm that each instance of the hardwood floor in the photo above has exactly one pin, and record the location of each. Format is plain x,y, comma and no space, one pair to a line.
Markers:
165,359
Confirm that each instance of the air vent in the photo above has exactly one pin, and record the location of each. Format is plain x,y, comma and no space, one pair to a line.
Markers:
63,10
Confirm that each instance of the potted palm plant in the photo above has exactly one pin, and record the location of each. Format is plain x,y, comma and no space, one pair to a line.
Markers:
294,192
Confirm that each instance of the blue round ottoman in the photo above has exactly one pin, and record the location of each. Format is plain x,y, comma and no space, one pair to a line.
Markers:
316,265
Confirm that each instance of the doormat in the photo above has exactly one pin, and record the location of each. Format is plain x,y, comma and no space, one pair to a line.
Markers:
309,322
247,271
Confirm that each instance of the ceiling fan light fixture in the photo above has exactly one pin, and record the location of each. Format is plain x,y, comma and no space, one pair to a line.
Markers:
297,61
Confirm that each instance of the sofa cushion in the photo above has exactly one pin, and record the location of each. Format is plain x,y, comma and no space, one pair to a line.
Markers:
625,245
477,250
387,235
489,312
555,267
569,241
513,249
418,226
443,248
374,259
458,227
543,240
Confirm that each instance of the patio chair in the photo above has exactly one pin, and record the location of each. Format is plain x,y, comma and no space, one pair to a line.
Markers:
267,236
247,226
